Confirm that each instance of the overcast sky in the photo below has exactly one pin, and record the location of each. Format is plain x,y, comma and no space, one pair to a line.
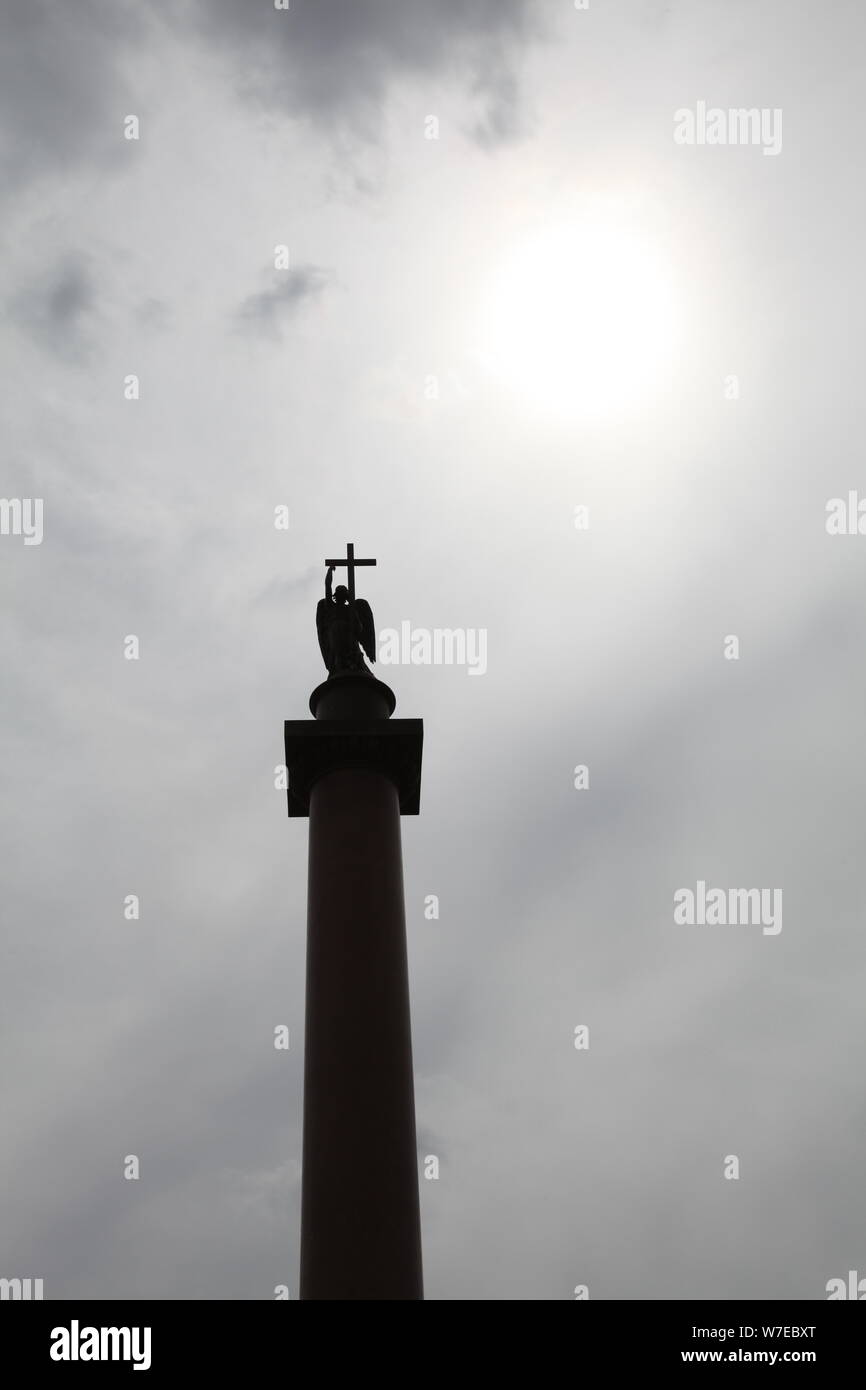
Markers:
535,301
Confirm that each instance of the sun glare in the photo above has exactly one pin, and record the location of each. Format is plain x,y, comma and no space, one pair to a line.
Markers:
577,320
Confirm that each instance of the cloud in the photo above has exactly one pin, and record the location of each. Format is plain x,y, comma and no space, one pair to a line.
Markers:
68,74
56,311
61,93
268,311
501,118
153,313
334,61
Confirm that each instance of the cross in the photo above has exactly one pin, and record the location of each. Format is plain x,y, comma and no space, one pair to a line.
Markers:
350,562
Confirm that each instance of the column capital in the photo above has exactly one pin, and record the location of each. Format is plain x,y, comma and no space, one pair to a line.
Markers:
317,747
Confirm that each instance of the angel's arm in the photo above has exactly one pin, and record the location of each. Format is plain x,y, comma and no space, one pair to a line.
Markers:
328,578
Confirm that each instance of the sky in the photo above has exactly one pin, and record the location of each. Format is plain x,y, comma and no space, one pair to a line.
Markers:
576,381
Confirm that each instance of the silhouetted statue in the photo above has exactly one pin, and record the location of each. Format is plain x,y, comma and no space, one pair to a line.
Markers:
345,625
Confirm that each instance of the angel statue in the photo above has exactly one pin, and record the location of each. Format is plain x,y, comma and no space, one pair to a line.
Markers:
344,625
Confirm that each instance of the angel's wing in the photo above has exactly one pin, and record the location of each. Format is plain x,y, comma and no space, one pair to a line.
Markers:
322,630
368,630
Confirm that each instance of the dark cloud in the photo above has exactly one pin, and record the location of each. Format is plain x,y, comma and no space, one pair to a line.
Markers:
57,311
65,89
268,311
334,60
61,94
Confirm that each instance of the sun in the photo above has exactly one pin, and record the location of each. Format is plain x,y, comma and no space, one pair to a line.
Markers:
577,321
